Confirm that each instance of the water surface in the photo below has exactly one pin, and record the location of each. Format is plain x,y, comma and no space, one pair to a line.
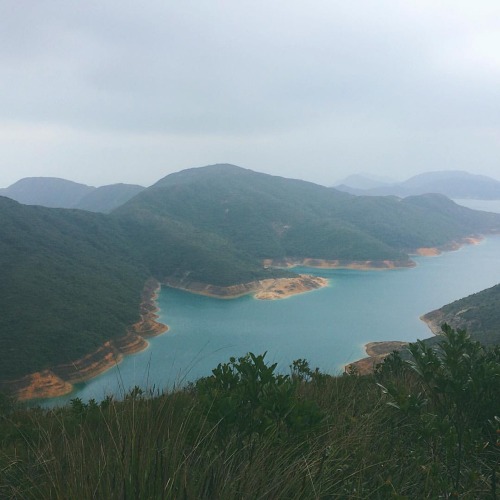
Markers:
328,327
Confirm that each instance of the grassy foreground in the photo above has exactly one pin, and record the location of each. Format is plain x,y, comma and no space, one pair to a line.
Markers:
428,428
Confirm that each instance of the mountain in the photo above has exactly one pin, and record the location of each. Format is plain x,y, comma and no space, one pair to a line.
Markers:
60,193
454,184
70,282
47,192
478,313
363,181
106,198
269,217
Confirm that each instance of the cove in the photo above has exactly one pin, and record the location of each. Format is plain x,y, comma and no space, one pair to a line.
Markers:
327,327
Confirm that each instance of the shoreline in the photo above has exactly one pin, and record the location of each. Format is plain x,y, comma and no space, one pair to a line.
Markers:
358,265
60,380
450,247
376,352
267,289
433,320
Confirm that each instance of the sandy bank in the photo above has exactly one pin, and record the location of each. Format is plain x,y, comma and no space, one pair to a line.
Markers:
268,289
454,245
360,265
59,380
376,351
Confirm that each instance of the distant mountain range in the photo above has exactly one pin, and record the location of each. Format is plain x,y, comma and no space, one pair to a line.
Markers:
454,184
72,279
60,193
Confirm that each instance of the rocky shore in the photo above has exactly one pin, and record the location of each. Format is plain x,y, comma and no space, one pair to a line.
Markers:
454,245
60,379
362,265
268,289
376,351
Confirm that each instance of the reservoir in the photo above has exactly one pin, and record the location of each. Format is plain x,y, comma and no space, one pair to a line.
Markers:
327,327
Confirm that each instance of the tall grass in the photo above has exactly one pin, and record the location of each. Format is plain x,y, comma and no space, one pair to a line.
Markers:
345,442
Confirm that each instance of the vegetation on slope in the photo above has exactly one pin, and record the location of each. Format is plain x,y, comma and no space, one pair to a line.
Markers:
69,283
273,217
60,193
478,313
430,429
72,280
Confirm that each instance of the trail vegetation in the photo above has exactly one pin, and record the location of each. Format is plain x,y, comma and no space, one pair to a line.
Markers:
424,428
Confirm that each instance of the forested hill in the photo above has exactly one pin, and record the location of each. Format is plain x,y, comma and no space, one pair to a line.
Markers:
479,314
72,279
69,282
273,217
61,193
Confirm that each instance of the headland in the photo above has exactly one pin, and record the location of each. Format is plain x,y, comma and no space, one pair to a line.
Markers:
267,289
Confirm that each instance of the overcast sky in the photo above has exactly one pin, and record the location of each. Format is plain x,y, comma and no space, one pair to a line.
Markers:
125,91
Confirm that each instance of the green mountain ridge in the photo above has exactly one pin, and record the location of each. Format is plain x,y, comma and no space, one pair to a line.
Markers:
53,192
272,217
72,279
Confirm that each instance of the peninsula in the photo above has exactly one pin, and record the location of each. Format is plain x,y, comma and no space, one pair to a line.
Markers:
266,289
72,281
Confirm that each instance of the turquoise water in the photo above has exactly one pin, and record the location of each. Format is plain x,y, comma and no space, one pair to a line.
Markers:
328,327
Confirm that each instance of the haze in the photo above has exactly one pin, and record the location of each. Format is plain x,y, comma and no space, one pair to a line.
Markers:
108,91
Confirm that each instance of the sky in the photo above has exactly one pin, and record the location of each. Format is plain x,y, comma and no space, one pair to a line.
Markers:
111,91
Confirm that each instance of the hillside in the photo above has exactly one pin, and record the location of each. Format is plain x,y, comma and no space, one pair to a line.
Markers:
73,280
69,283
47,192
453,184
106,198
61,193
270,217
479,314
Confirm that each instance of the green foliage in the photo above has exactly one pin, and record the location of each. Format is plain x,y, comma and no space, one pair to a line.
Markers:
263,216
478,313
73,279
70,282
452,406
237,434
248,396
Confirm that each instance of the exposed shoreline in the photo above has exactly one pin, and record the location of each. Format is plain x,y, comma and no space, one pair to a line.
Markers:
450,247
376,351
60,380
360,265
268,289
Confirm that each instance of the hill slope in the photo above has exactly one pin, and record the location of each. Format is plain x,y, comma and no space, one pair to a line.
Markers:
72,280
47,192
60,193
271,217
106,198
479,314
69,283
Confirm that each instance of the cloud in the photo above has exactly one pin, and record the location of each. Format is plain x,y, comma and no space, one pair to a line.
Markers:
357,82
